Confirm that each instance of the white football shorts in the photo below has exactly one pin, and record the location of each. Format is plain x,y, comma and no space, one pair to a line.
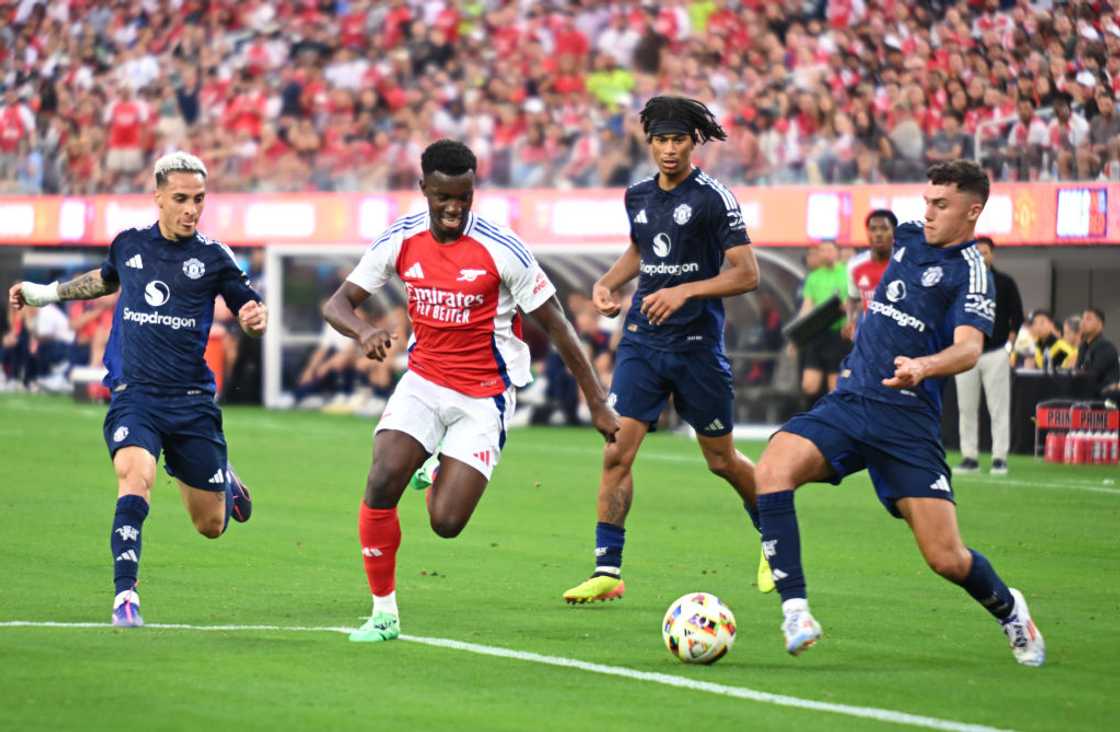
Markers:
470,429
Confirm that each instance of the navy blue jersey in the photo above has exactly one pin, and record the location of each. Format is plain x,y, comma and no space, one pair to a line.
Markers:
924,294
166,306
681,236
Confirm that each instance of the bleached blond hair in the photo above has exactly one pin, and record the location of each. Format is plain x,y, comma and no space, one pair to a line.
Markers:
177,162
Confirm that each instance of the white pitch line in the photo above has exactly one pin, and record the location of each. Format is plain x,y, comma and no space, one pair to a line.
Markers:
1073,485
681,682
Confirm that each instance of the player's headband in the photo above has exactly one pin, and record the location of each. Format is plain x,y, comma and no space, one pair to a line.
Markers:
669,127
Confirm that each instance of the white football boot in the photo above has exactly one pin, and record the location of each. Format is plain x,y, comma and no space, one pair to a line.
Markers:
1026,642
799,627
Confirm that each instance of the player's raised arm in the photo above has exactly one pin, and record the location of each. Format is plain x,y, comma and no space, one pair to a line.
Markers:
341,311
968,344
83,287
242,300
550,316
374,269
604,295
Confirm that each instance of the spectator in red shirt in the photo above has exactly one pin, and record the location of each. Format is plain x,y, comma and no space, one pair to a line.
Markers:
17,126
126,119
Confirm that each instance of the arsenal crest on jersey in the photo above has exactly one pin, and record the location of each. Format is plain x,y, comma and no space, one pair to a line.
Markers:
194,268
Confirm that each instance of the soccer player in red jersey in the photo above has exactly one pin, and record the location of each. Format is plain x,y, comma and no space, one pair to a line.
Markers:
867,268
466,280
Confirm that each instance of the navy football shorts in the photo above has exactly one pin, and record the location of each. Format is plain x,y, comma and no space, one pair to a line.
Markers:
699,382
901,448
187,428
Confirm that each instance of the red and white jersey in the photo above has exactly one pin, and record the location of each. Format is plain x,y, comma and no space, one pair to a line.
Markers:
864,274
126,122
462,299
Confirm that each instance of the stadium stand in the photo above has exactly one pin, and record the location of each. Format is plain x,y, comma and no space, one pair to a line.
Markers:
306,95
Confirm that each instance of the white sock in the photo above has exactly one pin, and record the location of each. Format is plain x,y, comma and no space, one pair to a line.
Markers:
386,604
795,605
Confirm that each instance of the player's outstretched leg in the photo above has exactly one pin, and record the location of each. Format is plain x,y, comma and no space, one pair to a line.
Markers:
135,468
242,508
125,545
616,490
934,523
789,461
734,467
396,456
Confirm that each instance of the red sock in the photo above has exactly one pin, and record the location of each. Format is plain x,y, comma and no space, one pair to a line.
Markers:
380,532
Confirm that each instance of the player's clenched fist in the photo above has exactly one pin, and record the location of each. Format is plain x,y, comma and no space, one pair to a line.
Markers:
375,343
605,420
606,301
908,373
253,317
15,296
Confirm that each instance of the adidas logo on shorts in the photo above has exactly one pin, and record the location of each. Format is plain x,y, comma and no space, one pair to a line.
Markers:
217,478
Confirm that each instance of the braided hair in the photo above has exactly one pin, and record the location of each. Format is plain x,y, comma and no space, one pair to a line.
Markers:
667,115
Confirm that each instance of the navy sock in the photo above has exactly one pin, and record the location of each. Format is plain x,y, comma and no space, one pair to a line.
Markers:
781,542
987,588
229,502
608,548
752,511
124,542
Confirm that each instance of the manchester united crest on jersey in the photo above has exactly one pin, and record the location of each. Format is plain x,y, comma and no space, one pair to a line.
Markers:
682,214
194,268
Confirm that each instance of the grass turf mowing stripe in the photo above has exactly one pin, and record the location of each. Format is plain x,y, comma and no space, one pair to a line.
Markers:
738,692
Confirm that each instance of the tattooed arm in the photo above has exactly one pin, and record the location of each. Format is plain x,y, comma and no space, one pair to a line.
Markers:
83,287
87,287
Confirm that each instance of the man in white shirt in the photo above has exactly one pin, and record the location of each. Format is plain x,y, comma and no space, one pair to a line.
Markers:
1068,134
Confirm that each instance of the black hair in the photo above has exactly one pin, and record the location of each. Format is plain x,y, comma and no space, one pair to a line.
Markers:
691,116
448,157
1096,311
882,213
1038,312
986,240
965,174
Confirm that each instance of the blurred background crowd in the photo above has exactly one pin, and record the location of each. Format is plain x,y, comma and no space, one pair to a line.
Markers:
343,94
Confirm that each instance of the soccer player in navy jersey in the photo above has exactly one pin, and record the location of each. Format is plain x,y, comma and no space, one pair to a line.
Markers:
683,226
168,275
926,321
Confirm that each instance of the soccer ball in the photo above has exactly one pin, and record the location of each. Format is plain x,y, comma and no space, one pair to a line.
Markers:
698,628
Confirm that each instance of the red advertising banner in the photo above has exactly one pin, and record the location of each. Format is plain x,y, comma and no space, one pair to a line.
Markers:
1016,214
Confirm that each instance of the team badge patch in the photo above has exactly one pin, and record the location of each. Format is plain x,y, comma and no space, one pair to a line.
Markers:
896,291
682,213
120,434
931,276
194,268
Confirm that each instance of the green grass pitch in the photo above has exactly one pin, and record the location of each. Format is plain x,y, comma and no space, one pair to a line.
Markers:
896,636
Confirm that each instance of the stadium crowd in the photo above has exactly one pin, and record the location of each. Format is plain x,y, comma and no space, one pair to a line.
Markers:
343,95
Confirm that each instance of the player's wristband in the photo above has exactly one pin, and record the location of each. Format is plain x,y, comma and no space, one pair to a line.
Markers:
39,295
